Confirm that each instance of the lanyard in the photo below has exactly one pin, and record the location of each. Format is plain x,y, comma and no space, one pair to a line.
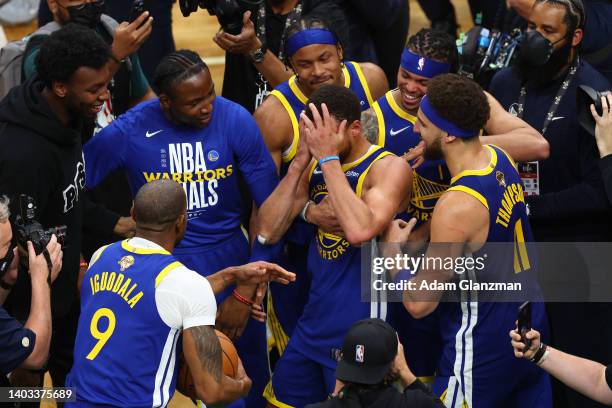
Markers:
556,101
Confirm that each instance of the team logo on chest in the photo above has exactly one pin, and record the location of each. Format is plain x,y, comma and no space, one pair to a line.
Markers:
126,262
213,155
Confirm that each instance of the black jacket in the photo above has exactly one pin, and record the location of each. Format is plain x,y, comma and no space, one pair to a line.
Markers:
41,157
416,395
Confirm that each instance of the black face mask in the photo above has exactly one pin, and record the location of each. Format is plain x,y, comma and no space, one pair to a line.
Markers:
538,61
5,262
87,14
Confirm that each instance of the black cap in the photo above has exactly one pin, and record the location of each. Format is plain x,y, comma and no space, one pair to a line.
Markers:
369,349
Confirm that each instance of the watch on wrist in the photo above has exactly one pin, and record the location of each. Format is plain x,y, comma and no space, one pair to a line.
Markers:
258,55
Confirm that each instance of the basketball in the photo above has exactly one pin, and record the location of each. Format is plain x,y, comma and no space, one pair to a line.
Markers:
184,382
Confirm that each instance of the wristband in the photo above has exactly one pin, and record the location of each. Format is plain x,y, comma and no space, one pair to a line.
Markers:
328,158
539,354
242,299
261,239
303,213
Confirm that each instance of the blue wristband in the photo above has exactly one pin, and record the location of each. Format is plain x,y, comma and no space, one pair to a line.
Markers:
328,158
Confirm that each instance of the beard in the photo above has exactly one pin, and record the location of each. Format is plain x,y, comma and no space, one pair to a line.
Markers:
542,75
433,150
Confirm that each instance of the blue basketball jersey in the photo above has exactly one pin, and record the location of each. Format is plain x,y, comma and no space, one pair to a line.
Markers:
124,355
476,355
396,134
206,161
334,301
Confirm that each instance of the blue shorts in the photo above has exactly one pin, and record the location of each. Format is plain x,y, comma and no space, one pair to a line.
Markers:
298,381
252,345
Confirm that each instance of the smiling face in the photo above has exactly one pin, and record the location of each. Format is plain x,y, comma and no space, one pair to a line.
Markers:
412,88
317,65
85,92
191,100
431,135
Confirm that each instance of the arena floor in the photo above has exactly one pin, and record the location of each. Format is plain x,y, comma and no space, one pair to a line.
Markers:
196,33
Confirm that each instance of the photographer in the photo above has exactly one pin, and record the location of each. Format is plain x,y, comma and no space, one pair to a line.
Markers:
25,345
588,377
603,136
41,156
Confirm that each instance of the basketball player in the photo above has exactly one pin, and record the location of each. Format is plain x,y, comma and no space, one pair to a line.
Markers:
365,185
390,124
475,368
316,56
137,300
206,143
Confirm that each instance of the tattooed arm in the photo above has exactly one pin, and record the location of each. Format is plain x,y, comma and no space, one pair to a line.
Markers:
369,125
203,355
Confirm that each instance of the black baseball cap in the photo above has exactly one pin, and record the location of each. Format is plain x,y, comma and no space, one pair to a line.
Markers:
370,346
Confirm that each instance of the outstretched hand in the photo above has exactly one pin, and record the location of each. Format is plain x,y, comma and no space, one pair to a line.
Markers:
260,272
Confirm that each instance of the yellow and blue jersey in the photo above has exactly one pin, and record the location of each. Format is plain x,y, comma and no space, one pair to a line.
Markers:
476,367
124,355
334,301
396,134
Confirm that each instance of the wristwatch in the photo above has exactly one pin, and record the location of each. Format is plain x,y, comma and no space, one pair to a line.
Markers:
258,55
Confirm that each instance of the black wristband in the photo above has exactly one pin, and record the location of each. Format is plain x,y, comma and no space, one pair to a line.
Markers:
539,354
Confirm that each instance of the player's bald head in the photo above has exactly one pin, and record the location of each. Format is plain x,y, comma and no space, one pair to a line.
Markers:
159,204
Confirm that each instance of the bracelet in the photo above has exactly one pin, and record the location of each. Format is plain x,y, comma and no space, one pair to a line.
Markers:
242,299
539,354
303,213
328,158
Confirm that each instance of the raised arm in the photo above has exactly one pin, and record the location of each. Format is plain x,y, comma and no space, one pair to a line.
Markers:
514,135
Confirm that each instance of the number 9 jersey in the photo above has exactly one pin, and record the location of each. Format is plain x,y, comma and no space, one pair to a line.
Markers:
129,327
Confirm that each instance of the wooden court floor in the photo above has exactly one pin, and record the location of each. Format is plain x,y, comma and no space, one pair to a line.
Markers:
196,32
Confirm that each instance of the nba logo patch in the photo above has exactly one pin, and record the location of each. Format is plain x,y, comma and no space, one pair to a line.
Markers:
213,155
359,353
421,63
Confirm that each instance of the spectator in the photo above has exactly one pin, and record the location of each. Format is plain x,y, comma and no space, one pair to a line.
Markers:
25,345
588,377
371,358
255,60
41,155
132,367
567,202
158,45
603,136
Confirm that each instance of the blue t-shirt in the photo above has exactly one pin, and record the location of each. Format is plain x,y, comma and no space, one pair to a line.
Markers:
206,161
17,342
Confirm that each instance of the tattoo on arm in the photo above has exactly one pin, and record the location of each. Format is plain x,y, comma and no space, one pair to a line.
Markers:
209,350
369,125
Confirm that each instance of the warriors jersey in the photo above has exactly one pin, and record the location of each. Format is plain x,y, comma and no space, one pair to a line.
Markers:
135,302
206,161
334,301
396,134
477,368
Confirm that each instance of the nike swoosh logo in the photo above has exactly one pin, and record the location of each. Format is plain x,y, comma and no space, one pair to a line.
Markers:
317,172
395,132
153,133
557,118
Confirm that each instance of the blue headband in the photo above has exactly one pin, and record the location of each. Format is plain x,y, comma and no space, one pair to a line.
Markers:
308,37
444,124
423,66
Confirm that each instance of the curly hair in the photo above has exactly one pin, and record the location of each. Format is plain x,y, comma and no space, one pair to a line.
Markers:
341,103
459,100
436,45
65,51
175,68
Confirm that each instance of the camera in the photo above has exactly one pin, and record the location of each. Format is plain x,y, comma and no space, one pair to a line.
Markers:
585,97
482,52
228,12
138,7
28,229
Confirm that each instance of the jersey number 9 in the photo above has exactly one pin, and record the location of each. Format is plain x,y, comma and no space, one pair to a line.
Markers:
101,336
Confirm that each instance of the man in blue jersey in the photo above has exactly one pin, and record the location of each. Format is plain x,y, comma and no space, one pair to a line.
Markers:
315,54
365,186
206,143
475,368
390,124
136,301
